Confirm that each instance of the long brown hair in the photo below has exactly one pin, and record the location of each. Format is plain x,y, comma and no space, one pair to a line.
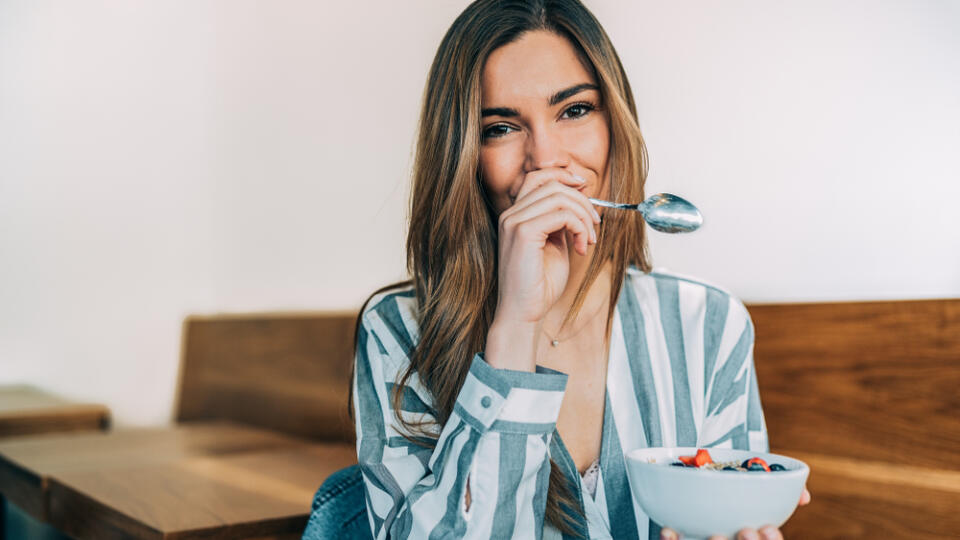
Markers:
452,240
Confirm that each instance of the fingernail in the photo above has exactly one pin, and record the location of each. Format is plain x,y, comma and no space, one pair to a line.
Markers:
769,533
579,178
596,215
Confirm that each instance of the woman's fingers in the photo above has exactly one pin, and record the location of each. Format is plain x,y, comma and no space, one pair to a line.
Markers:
805,497
768,532
557,201
534,179
540,227
543,182
552,187
765,533
668,534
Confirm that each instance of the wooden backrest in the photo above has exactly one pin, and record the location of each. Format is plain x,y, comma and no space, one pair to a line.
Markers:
288,372
849,379
864,380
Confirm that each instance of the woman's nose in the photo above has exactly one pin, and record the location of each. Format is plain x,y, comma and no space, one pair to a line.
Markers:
545,149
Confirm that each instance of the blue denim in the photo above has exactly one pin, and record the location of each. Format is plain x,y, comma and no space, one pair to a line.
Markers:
339,508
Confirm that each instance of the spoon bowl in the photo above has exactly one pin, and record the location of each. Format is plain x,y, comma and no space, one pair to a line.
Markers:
663,212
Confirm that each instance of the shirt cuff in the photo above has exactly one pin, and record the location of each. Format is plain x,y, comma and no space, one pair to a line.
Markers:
510,401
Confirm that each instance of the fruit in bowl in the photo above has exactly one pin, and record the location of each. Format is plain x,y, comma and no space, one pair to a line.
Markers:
703,492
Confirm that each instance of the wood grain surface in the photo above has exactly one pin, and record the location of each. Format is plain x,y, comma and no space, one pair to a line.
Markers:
866,394
27,463
250,494
864,380
288,372
863,499
26,410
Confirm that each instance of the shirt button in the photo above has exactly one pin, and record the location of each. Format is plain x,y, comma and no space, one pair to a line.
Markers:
485,402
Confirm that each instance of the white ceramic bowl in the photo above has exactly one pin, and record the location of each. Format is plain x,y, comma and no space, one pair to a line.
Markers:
699,503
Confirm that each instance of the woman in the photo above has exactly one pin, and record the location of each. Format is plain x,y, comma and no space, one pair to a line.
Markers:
496,392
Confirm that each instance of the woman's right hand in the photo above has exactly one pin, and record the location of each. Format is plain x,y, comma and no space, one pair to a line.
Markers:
548,213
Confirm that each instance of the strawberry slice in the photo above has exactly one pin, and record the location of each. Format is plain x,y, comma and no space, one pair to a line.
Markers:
702,458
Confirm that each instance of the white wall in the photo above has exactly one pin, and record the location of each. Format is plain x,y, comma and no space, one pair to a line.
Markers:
165,158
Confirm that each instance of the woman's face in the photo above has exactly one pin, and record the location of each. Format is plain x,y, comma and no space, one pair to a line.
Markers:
541,108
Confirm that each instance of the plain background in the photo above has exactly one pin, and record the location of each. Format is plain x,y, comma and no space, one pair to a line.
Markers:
163,158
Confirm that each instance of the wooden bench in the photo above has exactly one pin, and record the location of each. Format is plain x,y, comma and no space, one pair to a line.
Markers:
287,372
866,394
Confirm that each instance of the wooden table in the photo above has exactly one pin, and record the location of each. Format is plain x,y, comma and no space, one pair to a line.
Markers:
193,479
251,494
25,410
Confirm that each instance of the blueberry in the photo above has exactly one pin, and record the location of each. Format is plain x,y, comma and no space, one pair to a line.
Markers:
678,464
745,463
777,467
729,468
755,467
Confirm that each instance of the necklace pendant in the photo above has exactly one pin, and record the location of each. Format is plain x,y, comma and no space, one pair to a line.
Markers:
554,342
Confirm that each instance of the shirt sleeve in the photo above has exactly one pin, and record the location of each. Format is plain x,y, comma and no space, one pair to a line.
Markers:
496,438
734,416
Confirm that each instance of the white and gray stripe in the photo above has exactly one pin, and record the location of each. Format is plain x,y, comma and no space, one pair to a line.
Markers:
680,373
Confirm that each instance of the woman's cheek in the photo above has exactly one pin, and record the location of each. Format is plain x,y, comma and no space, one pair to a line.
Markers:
495,179
591,150
599,156
500,172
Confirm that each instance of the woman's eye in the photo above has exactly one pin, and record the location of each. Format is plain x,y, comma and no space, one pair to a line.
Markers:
572,112
578,110
493,132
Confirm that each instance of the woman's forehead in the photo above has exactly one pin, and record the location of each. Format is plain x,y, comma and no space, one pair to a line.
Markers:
532,68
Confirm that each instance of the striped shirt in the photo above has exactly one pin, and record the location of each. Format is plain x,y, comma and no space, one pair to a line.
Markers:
680,373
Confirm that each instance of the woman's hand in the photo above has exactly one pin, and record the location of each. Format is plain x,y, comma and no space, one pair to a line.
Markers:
534,261
765,533
548,213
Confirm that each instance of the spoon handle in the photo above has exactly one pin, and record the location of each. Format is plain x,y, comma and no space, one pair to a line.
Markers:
608,204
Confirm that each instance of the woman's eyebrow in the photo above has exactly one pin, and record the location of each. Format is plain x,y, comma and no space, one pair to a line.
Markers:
572,91
554,99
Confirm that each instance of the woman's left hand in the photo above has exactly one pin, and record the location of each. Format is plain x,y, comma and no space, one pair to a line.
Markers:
765,533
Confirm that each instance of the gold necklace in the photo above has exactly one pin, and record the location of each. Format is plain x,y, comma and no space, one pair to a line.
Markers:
555,342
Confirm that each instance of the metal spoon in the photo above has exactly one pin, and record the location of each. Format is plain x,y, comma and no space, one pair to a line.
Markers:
663,212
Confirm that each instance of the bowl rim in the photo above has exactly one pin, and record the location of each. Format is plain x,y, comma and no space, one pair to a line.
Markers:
633,457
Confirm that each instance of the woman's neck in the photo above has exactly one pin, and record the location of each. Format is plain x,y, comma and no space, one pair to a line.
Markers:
598,296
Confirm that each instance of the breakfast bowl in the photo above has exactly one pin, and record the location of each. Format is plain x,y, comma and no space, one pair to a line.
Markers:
681,489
